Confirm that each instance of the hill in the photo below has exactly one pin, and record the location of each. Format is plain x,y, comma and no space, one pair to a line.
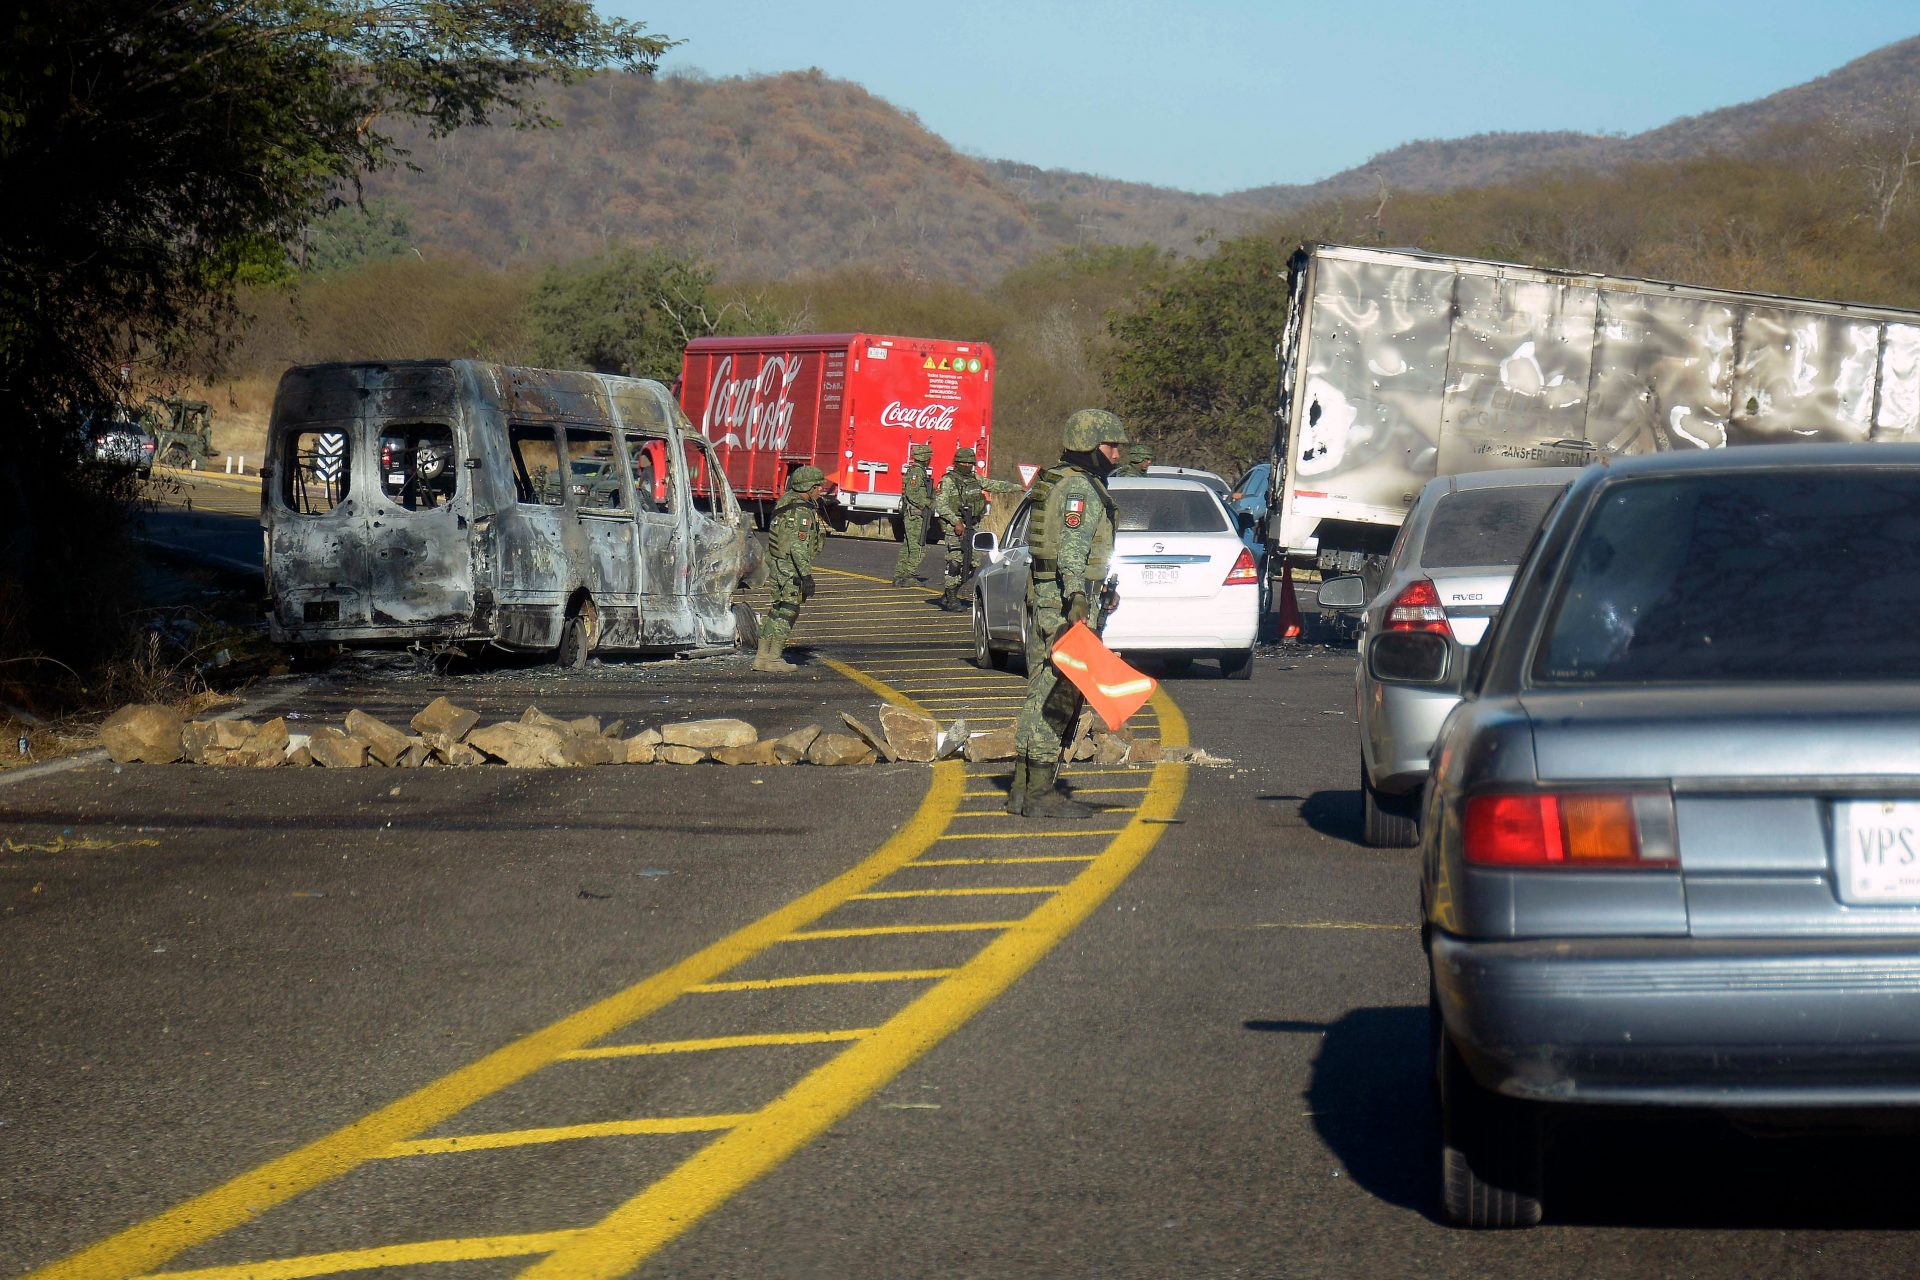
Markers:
777,177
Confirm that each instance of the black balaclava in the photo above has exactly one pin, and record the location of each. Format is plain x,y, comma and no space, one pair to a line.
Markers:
1091,461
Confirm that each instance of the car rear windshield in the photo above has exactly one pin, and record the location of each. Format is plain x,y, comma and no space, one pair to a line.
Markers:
1756,577
1486,526
1169,511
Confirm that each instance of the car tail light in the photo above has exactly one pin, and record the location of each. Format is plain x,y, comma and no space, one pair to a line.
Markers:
386,457
1569,829
1417,609
1242,571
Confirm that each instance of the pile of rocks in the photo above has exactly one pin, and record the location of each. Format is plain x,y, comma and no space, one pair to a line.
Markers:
446,735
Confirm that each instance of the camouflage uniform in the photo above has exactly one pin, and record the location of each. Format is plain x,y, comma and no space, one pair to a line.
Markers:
960,504
794,537
1070,538
1139,458
916,498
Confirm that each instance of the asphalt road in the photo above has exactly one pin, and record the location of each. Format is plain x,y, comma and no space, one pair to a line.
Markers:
788,1022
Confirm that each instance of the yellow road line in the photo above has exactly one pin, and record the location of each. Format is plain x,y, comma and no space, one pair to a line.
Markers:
1002,862
1031,835
386,1255
824,980
637,1229
560,1133
959,893
241,1199
716,1042
1079,791
886,930
1104,810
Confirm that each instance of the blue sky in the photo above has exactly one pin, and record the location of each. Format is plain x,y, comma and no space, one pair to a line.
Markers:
1220,95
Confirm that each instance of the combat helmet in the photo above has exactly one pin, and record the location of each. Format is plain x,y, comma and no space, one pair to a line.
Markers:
805,478
921,453
1088,429
1140,454
963,457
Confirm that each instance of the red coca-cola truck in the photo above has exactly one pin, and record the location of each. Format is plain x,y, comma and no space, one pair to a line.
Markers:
848,403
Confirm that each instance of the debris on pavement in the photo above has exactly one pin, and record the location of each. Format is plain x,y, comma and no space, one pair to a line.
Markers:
446,735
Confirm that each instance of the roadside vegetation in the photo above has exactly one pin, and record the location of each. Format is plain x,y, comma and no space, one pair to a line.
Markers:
194,143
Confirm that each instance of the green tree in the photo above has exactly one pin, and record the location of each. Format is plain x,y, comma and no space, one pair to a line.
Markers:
629,312
1192,362
352,234
156,154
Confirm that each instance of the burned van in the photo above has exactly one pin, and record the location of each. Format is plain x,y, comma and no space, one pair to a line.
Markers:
457,504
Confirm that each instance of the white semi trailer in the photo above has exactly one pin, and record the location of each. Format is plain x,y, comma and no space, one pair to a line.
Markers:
1397,366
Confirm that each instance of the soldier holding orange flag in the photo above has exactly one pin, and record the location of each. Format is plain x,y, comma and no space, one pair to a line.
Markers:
1071,540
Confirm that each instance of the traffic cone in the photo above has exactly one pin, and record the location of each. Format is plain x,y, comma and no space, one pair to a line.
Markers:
1289,605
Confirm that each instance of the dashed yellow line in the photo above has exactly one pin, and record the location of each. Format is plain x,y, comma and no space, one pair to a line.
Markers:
1002,862
1034,835
559,1133
713,1043
825,980
1010,891
891,930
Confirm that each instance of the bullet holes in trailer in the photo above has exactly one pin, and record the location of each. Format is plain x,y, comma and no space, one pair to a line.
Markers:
316,468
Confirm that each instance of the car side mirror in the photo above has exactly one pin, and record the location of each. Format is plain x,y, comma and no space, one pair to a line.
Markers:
985,543
1343,594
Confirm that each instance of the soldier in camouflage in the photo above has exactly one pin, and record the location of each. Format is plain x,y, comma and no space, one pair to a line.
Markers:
794,538
1070,537
960,504
1139,458
916,498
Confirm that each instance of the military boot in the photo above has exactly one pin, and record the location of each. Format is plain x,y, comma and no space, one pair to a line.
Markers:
1017,791
769,658
1045,799
902,580
950,600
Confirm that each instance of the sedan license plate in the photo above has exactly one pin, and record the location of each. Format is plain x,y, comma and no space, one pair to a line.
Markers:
1159,573
1877,853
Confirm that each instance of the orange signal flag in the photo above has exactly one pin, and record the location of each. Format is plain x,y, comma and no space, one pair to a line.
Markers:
1289,606
1112,688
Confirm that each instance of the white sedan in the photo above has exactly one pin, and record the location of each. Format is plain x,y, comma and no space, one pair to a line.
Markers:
1188,586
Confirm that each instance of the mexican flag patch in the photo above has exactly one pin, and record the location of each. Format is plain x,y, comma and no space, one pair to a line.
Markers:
1076,508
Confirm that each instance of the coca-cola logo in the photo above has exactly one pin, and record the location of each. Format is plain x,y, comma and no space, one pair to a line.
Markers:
754,411
932,417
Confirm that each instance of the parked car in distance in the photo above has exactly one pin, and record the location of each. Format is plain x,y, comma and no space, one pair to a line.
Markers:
1187,585
121,443
1446,579
1668,848
1212,480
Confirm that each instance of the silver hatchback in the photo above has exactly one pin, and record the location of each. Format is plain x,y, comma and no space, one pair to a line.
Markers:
1445,582
1671,843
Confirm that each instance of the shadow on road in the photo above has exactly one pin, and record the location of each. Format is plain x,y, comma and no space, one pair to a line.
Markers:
1370,1102
1333,813
1372,1106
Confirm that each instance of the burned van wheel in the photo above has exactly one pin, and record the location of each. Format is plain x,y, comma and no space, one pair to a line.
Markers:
575,640
746,626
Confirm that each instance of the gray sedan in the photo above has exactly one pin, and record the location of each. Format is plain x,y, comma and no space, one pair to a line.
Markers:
1671,843
1445,582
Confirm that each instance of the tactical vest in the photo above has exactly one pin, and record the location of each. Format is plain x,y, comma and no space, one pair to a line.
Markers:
1043,540
969,499
916,487
784,531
